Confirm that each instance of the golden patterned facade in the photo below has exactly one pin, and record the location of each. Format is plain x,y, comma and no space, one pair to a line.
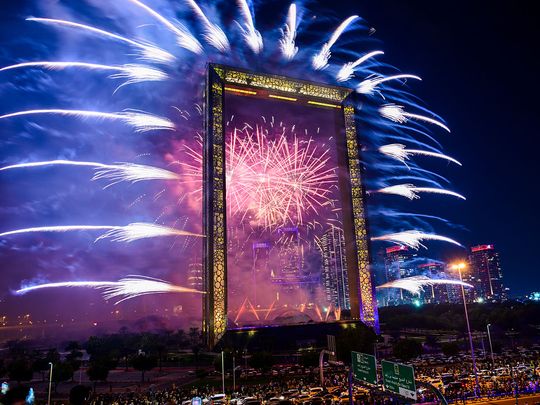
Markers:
215,246
368,305
282,84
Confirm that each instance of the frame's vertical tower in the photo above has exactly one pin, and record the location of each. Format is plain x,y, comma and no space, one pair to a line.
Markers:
214,218
360,281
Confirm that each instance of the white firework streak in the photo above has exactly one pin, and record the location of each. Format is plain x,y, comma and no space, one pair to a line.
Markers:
140,120
126,288
133,173
369,85
320,60
128,233
86,284
137,286
116,173
411,191
252,37
396,113
413,239
147,51
398,151
184,38
287,41
132,73
213,34
347,70
415,285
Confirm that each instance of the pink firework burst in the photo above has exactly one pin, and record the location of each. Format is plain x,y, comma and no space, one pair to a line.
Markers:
273,177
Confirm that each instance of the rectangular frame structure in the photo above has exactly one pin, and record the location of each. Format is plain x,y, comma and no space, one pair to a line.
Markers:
361,289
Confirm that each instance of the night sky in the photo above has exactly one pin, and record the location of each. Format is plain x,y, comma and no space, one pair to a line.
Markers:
478,63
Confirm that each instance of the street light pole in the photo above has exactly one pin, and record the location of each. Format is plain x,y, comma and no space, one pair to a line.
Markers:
223,371
321,364
459,267
490,345
50,384
233,375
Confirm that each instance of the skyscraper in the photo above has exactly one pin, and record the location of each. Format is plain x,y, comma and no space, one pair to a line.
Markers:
486,273
435,294
334,268
195,274
398,264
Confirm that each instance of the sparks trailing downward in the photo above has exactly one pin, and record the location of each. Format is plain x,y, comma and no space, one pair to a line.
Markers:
128,233
398,151
396,113
132,73
146,51
184,38
415,285
139,120
413,239
272,177
213,34
124,289
116,173
347,70
252,37
320,60
287,41
276,180
411,191
369,85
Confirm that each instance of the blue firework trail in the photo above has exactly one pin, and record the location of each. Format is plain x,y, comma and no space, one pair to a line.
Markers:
162,52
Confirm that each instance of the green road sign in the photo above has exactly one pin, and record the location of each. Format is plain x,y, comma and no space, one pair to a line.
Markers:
399,379
364,367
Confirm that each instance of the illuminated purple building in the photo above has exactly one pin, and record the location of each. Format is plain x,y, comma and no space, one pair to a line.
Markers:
486,273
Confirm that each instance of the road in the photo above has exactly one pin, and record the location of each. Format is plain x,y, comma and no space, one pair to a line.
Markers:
525,400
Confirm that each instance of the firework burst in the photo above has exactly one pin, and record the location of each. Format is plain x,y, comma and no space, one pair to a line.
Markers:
124,289
271,178
415,285
277,179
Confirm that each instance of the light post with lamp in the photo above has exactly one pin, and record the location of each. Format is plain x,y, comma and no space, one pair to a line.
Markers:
459,267
490,345
50,383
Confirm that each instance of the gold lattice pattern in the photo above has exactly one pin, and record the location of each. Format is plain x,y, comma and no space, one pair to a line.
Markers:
367,304
282,84
219,314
